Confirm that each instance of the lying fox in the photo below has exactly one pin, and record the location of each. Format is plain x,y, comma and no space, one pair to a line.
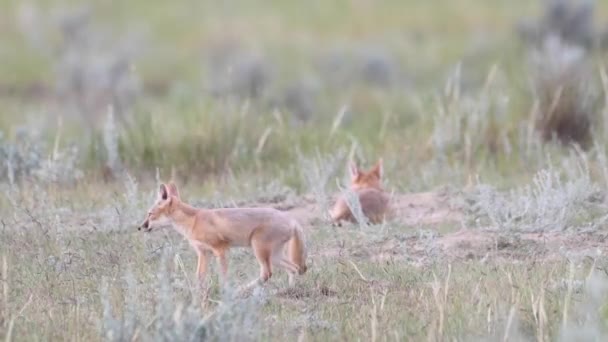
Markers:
368,188
276,239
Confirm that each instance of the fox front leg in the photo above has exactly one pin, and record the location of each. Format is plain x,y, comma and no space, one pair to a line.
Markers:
201,267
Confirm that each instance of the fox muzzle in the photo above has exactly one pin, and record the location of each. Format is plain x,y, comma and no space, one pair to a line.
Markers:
146,226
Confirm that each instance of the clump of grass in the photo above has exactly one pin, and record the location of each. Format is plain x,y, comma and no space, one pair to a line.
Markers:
354,205
208,140
316,173
173,318
587,318
113,164
469,123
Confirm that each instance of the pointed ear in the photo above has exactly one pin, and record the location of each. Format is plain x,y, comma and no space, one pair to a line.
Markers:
378,169
173,190
353,170
163,192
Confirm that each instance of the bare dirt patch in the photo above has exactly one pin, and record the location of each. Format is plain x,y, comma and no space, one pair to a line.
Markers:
433,209
426,208
468,243
430,247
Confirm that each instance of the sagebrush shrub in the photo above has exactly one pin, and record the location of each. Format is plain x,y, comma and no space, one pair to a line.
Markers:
300,99
366,64
236,73
562,84
555,200
94,69
572,21
92,66
29,157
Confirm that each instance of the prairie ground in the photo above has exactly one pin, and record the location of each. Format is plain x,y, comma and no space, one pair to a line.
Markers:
493,134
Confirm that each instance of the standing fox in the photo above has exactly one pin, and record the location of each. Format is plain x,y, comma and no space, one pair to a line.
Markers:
368,188
274,237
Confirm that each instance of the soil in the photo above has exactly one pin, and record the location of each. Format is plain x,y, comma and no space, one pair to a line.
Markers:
433,211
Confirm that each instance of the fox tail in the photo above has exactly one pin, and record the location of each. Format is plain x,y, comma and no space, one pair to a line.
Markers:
297,248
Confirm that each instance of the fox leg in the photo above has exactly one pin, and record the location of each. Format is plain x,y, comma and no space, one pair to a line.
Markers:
262,254
335,218
220,254
291,268
340,212
201,267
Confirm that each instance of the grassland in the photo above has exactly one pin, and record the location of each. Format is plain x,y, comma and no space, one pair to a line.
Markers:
501,234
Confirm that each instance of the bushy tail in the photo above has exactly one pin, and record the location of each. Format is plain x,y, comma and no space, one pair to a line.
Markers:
297,248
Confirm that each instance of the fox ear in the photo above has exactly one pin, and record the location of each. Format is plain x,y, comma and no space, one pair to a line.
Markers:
163,192
173,190
378,168
354,170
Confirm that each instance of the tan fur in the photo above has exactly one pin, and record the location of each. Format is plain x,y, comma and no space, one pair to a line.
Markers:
276,238
373,199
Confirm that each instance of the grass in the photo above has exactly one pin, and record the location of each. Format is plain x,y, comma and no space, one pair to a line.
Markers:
460,119
348,293
76,268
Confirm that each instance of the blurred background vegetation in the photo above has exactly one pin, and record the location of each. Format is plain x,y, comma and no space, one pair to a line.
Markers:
461,87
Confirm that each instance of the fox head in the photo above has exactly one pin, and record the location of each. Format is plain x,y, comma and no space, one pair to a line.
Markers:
360,179
159,213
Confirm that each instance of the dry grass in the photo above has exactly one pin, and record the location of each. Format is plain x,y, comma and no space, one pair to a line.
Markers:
79,270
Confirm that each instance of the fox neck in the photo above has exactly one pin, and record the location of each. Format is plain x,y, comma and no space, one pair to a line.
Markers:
183,217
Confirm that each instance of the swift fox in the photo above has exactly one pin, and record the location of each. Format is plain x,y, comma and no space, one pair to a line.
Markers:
276,239
368,188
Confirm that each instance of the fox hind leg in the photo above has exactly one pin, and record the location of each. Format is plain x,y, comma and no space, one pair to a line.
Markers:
279,259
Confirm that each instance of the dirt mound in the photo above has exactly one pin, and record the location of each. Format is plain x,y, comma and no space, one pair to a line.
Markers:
425,208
